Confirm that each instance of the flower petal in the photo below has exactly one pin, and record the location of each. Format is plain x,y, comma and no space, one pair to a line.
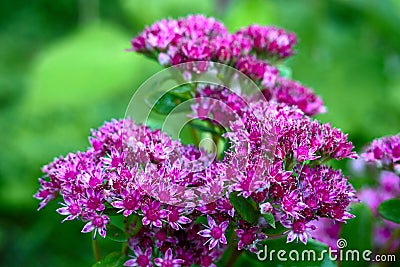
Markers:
211,221
303,238
213,243
158,261
145,221
88,228
102,231
118,204
157,223
224,225
223,239
148,252
131,262
205,233
63,211
184,220
168,254
290,237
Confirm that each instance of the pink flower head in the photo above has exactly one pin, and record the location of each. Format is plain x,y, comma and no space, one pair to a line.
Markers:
153,214
384,152
299,230
176,219
72,208
168,260
269,40
266,208
249,238
215,232
97,223
141,259
130,201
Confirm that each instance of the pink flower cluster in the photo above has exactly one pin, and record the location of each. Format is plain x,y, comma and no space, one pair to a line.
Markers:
126,163
180,203
384,152
387,188
291,173
250,50
200,38
109,178
381,153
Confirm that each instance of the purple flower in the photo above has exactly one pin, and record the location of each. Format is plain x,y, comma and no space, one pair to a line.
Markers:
130,201
72,208
384,152
258,70
215,232
208,258
175,218
97,223
266,208
249,238
327,231
270,41
275,155
299,230
141,259
93,200
168,260
48,192
152,214
293,93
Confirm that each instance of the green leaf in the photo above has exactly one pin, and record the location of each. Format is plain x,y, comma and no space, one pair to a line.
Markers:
390,210
269,218
202,128
114,233
357,232
110,211
164,103
245,207
278,229
182,89
118,221
201,219
114,259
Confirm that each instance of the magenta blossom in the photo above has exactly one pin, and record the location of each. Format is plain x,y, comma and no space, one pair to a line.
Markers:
130,201
249,238
299,230
97,223
176,219
72,208
215,232
141,259
384,152
168,260
153,214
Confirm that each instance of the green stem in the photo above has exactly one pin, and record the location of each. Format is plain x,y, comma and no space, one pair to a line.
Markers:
235,253
138,225
96,249
233,257
195,136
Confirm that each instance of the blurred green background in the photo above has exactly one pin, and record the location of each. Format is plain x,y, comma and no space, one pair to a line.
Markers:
64,69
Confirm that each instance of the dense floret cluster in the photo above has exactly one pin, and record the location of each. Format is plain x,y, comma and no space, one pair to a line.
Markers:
183,205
